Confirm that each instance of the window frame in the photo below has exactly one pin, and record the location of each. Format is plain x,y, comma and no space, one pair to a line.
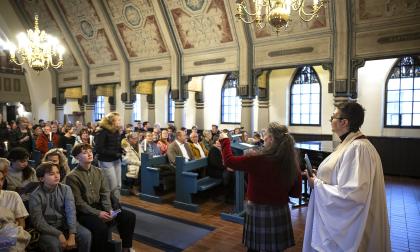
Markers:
229,77
99,106
170,112
137,116
397,63
298,73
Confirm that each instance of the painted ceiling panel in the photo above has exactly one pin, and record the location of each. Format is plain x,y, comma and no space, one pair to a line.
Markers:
85,25
296,25
379,9
48,23
137,26
201,24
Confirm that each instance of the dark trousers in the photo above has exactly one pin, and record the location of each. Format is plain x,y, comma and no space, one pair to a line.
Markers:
125,222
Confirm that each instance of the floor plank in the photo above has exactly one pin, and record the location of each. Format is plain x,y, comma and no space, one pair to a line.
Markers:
403,202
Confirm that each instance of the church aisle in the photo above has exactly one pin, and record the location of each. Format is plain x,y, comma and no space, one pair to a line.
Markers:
403,196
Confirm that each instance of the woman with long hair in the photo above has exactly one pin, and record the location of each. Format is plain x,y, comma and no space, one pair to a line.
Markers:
57,157
109,150
273,176
163,142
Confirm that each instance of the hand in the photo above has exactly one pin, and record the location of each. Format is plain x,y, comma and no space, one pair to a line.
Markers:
223,135
63,241
105,216
71,242
230,169
311,180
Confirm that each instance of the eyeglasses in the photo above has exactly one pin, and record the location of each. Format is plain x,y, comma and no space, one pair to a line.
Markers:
338,118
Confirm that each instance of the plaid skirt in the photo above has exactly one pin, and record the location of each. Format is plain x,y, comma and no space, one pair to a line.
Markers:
267,228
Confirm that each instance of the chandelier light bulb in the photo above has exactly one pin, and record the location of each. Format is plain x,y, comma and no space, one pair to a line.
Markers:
37,49
277,12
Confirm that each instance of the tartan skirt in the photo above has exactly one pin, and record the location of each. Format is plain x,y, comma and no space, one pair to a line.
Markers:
267,228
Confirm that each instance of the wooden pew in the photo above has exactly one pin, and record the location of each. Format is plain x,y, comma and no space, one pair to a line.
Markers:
150,176
188,183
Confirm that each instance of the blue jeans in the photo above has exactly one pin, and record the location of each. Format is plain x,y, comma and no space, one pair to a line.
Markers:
112,172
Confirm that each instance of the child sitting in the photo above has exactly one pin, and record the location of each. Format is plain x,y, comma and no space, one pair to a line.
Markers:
53,213
12,217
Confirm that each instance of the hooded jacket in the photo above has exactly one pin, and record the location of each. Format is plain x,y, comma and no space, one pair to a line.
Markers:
107,142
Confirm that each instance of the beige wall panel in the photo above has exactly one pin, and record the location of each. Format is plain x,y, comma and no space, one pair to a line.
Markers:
104,74
211,62
293,53
69,79
387,42
150,69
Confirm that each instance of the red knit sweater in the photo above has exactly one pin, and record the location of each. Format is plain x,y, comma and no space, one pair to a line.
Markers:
265,184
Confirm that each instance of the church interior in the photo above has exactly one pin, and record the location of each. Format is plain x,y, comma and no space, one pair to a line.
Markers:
195,65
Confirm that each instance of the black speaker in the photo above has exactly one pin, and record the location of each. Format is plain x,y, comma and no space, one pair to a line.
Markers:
85,99
111,100
54,100
124,97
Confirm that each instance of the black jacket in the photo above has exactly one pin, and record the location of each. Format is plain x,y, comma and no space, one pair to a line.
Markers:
108,145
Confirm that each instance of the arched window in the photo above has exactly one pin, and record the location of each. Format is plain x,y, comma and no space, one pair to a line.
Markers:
231,103
402,94
305,98
171,108
137,108
99,107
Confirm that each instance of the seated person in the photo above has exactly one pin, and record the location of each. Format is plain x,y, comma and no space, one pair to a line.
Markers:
179,147
53,213
132,160
149,146
4,167
198,150
43,140
57,156
13,214
21,177
93,202
163,142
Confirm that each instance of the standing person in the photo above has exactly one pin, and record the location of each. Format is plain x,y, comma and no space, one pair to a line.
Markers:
109,150
93,202
53,213
21,136
272,176
347,210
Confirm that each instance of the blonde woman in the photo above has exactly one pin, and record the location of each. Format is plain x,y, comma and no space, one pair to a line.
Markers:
57,157
109,150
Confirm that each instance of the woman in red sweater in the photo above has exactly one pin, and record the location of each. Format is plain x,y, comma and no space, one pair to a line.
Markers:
273,176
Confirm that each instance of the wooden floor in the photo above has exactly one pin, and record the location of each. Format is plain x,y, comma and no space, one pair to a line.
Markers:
403,201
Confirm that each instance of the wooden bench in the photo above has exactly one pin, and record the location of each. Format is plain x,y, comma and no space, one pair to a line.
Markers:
150,177
187,182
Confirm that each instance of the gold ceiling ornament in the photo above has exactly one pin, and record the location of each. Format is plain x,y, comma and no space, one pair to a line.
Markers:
38,49
277,12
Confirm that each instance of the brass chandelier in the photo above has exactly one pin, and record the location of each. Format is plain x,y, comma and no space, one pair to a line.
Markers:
38,49
277,12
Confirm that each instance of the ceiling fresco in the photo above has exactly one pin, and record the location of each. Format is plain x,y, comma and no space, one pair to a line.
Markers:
48,23
200,24
376,9
136,24
85,25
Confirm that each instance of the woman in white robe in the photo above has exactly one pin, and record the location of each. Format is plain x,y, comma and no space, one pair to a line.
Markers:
347,210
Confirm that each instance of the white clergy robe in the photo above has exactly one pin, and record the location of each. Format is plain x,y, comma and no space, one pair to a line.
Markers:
347,210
